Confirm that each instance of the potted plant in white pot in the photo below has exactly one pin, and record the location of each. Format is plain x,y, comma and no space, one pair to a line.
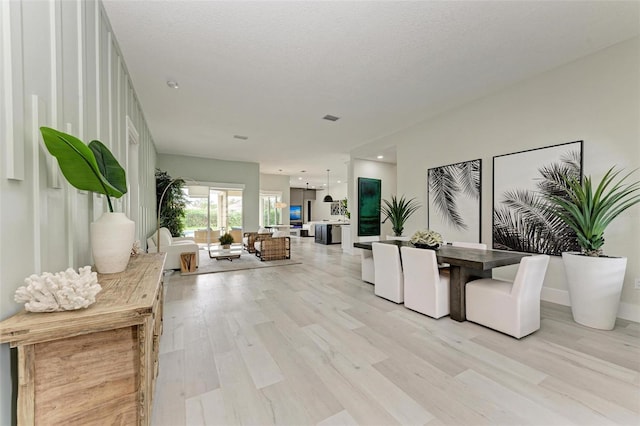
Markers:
226,240
398,211
594,280
94,168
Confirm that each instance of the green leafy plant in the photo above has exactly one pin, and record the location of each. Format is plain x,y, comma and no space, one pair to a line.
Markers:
522,220
226,239
344,203
589,211
174,203
398,211
88,168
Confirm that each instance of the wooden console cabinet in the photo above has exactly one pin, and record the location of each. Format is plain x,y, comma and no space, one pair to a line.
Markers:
93,366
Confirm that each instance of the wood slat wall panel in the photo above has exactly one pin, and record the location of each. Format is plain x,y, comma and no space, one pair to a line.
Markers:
60,66
12,118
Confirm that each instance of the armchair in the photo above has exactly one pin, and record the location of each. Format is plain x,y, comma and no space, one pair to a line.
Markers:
249,239
387,268
512,307
274,246
426,289
173,246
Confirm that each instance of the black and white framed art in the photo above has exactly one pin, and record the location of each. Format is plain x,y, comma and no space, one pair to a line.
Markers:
521,182
453,197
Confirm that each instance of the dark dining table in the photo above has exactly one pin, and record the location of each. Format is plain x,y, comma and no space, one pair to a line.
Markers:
466,264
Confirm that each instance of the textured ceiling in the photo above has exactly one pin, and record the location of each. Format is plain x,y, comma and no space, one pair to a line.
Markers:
271,70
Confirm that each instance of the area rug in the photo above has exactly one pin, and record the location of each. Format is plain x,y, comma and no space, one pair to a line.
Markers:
246,261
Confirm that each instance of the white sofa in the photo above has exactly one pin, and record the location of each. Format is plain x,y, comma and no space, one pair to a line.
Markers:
173,246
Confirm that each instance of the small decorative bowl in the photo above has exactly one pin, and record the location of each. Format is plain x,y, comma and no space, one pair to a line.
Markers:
427,246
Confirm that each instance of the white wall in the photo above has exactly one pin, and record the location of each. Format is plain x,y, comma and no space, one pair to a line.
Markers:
595,99
321,210
278,183
62,69
220,171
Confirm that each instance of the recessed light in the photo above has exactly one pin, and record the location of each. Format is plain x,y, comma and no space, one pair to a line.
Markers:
241,137
331,117
380,157
173,84
339,182
299,178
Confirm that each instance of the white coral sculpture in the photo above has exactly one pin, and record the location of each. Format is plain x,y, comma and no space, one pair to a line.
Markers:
428,237
62,291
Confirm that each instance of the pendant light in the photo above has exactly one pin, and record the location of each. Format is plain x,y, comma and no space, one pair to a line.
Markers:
328,198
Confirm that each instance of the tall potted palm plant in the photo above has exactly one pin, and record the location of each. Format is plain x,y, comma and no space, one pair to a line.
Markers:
398,211
174,203
594,280
94,168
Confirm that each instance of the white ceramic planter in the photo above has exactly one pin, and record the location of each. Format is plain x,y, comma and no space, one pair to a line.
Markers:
595,285
111,242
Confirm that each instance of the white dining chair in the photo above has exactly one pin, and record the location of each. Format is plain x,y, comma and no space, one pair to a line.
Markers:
426,289
367,271
510,307
479,246
394,238
388,272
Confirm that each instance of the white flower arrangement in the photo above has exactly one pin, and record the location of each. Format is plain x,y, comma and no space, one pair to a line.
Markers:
427,237
62,291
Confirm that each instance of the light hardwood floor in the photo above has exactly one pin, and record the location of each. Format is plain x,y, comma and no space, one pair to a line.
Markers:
311,344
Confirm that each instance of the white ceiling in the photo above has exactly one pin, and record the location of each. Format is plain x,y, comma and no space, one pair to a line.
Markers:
271,70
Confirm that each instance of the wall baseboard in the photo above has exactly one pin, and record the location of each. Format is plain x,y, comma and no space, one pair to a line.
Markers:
553,295
626,311
629,312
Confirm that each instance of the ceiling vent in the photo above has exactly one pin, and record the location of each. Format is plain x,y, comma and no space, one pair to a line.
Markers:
331,117
244,138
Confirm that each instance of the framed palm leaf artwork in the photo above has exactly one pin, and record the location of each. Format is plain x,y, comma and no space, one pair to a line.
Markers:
521,221
453,198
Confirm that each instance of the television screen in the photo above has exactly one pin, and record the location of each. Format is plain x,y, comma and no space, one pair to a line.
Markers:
295,213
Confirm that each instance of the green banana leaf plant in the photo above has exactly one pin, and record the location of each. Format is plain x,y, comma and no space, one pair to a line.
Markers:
88,168
588,212
398,211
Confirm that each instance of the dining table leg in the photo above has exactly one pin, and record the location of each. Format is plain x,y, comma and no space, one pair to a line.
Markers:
459,276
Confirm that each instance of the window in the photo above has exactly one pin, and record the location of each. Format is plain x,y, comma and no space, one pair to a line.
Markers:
271,215
212,207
